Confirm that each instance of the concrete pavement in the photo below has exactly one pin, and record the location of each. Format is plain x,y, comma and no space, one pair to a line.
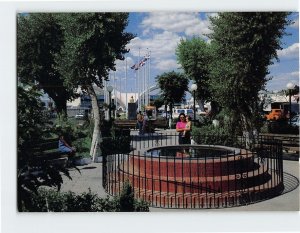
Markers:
90,177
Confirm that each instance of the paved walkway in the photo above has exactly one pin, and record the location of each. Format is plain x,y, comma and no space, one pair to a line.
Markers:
90,177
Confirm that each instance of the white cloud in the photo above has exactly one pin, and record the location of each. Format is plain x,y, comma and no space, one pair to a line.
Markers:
188,23
162,47
294,74
279,81
167,65
162,32
121,64
289,52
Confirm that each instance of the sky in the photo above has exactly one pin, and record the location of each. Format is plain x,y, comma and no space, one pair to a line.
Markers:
160,33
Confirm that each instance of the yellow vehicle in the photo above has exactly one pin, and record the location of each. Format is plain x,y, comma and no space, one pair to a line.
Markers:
275,115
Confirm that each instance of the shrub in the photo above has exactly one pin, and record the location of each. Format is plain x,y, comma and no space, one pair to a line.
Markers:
211,135
127,202
281,127
48,200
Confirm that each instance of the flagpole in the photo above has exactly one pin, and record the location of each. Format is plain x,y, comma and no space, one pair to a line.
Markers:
126,88
115,100
142,85
149,68
135,84
120,92
138,81
144,91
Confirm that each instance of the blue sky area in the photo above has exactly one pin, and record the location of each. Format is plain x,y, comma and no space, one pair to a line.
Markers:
160,33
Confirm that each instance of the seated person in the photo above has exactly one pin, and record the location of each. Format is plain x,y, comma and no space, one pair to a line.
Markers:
64,147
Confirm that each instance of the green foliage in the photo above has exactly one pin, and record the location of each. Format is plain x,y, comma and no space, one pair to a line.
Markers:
77,136
93,41
126,198
232,69
194,56
39,41
31,121
211,135
280,127
118,143
158,102
244,45
47,200
92,44
173,86
225,133
127,202
32,130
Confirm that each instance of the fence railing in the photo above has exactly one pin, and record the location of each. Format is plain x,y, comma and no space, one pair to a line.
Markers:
170,175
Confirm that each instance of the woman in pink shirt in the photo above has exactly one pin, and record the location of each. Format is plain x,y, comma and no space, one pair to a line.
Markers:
181,127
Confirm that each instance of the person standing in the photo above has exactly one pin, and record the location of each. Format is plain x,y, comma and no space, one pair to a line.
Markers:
180,127
187,131
140,122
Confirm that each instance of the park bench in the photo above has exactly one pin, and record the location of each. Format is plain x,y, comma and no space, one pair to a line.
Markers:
47,153
290,143
125,124
131,124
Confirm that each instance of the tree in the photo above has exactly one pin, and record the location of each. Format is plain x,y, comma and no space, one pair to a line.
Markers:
173,86
32,130
93,41
39,40
158,102
194,56
245,44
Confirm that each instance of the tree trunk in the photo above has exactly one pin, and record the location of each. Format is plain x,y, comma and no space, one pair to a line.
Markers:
200,102
248,131
60,105
97,138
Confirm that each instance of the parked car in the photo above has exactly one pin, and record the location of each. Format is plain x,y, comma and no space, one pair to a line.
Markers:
79,116
166,115
295,121
189,112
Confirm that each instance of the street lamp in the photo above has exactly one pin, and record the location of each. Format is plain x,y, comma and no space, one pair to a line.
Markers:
193,89
109,89
114,105
290,86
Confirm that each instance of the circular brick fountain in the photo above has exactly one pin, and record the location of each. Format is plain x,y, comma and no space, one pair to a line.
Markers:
198,176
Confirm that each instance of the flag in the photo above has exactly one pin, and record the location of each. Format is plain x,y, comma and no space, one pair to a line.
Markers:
147,56
141,63
135,67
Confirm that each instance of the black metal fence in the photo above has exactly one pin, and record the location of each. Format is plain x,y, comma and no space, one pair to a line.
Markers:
169,175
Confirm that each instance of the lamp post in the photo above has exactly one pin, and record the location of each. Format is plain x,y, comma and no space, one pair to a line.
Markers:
290,86
193,89
114,105
109,89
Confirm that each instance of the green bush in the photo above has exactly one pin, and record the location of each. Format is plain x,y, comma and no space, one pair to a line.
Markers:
117,142
127,202
78,137
211,135
53,201
115,145
281,127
